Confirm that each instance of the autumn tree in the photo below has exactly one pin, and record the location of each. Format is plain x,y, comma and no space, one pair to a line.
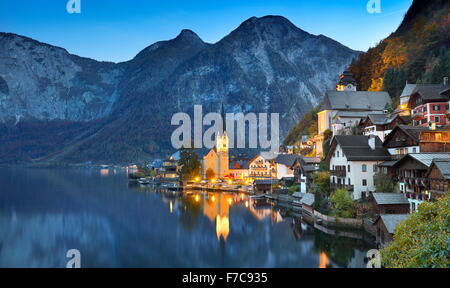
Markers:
190,164
422,240
210,174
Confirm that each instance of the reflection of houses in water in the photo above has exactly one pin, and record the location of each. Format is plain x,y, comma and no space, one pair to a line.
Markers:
216,207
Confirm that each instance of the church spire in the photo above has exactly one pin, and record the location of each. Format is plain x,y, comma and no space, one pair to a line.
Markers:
224,124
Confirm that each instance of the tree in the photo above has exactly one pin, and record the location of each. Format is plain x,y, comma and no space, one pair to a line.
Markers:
383,183
210,174
321,190
422,240
342,203
190,164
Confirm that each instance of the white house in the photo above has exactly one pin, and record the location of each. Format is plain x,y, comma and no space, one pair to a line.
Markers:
354,162
381,125
260,167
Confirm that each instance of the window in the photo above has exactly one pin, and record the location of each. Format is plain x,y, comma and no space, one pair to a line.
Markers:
414,150
436,108
364,182
436,119
337,153
447,107
364,168
349,182
375,168
348,168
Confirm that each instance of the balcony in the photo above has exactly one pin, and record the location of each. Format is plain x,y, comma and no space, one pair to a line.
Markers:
417,115
335,186
338,173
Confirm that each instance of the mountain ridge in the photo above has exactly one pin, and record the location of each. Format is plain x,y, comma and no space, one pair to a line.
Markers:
266,64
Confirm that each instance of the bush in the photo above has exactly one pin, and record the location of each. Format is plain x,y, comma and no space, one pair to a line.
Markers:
342,204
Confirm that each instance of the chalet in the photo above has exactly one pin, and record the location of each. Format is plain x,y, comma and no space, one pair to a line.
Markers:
438,176
381,124
169,170
406,139
429,104
354,161
389,203
403,109
386,224
260,168
264,186
411,173
283,165
303,168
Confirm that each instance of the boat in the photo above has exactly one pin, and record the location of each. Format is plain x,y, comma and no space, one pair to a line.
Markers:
144,181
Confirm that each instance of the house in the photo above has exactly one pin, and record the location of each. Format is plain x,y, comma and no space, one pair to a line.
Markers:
381,124
389,203
354,161
406,139
307,203
346,82
264,186
303,168
169,170
283,165
260,168
438,176
429,104
411,173
386,224
239,169
403,109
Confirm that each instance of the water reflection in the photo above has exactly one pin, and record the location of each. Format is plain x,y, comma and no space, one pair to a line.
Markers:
115,224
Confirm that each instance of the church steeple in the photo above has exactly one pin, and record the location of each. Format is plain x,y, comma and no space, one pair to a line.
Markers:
224,124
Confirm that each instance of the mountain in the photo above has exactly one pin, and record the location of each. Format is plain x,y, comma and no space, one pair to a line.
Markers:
418,51
59,107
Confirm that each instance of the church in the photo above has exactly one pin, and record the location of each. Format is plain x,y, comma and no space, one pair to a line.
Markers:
216,161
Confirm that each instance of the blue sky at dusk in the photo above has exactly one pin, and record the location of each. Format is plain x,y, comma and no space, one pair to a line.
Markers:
118,30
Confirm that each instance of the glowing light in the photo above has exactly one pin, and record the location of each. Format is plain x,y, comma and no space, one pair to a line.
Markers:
213,181
242,196
197,198
197,179
426,192
222,227
324,261
171,206
230,201
213,198
246,204
230,182
104,172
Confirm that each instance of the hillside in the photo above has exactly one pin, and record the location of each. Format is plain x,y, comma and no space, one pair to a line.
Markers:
417,52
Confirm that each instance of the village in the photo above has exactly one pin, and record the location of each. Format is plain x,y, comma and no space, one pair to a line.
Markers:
369,167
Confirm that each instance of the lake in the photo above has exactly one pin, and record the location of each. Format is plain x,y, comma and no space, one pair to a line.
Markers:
46,212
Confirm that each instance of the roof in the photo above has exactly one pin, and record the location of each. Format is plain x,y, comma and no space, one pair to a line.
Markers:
427,158
356,100
313,160
390,198
431,91
356,148
382,119
410,131
408,90
443,165
308,199
266,181
392,220
355,114
388,163
287,159
239,164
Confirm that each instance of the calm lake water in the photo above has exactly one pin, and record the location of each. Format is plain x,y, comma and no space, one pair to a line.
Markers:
46,212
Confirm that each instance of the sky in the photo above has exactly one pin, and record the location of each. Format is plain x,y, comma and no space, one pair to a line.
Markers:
116,30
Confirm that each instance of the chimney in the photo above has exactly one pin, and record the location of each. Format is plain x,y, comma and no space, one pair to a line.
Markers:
445,81
372,141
